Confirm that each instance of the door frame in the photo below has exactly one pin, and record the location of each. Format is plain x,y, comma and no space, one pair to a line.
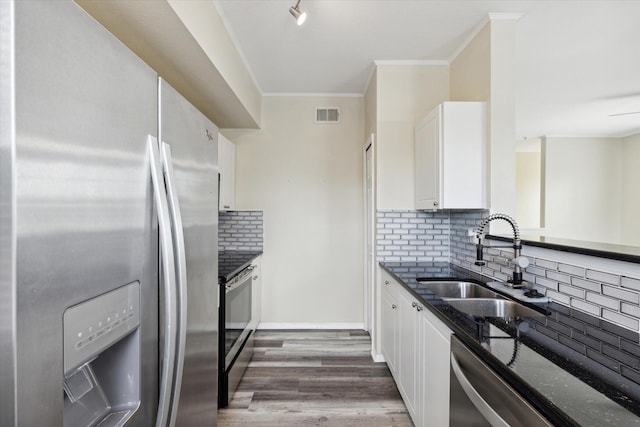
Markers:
369,232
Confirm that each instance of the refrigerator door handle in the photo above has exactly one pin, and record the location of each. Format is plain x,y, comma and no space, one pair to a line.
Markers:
169,279
181,288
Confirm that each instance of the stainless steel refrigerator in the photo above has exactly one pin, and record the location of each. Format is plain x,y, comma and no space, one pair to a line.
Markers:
108,249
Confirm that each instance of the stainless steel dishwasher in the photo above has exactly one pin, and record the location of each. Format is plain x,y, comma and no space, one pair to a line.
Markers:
479,397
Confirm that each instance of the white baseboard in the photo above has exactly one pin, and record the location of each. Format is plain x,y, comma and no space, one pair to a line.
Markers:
377,357
266,325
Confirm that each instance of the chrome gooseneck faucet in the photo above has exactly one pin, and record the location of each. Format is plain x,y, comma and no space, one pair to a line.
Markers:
519,262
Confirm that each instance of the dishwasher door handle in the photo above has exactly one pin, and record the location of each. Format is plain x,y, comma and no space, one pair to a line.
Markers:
476,398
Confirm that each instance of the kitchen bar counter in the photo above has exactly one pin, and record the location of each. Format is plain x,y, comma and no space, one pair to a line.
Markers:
566,363
231,263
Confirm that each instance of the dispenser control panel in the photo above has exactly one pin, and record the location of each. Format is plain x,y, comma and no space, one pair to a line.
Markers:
94,325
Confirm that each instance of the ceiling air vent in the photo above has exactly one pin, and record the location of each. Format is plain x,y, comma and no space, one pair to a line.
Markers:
327,115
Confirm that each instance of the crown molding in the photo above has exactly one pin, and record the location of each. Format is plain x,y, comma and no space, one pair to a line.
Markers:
314,94
492,16
409,62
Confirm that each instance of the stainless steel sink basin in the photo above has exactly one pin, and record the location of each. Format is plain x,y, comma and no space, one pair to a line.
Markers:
489,307
456,289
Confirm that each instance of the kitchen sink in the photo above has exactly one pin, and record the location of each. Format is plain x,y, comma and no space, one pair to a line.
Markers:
458,289
491,307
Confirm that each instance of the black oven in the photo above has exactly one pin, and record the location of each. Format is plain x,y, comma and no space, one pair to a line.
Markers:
236,340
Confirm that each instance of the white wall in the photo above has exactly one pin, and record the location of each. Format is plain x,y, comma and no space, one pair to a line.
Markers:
630,234
308,180
406,93
502,119
582,188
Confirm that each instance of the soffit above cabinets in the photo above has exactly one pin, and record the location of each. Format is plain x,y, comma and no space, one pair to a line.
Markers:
184,54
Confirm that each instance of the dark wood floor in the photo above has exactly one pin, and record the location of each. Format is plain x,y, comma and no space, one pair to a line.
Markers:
315,378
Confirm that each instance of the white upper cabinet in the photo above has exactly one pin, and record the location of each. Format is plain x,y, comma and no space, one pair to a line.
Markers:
227,164
451,157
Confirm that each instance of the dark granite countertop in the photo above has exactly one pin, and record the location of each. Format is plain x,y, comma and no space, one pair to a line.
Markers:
561,361
231,263
601,250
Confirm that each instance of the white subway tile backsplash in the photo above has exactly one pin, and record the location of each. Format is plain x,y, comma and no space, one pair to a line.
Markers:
558,277
240,231
549,265
603,277
547,283
571,269
584,306
536,270
558,297
629,322
630,309
570,290
586,284
603,301
630,283
600,288
621,294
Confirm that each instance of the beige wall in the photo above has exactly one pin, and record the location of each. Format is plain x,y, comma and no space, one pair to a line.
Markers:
528,189
308,180
406,93
471,69
582,188
630,196
371,106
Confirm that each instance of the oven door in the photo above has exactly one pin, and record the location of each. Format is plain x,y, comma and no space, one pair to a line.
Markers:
237,315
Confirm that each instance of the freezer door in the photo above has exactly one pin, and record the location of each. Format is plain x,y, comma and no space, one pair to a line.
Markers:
193,146
84,225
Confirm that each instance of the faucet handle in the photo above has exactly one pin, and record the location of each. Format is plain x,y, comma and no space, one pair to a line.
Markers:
521,261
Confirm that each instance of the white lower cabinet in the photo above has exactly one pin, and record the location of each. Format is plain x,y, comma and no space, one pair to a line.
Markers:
409,353
420,363
390,314
436,347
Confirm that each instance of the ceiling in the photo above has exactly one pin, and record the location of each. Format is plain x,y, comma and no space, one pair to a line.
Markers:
577,62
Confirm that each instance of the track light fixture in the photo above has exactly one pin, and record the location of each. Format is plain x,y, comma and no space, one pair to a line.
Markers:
299,15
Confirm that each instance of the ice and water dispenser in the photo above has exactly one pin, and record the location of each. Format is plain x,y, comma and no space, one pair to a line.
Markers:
102,359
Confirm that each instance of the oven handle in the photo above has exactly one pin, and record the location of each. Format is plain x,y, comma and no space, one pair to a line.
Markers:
239,280
169,278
